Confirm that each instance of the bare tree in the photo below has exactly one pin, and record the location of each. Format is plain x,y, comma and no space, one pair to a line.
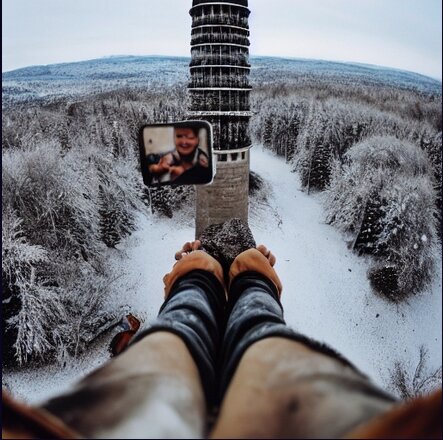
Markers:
422,381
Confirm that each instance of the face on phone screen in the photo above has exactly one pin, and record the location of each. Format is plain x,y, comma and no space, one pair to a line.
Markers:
178,153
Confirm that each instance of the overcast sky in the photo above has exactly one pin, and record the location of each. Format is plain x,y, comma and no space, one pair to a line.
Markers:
406,34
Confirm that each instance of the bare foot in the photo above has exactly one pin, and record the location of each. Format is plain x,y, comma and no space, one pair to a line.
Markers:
267,253
187,248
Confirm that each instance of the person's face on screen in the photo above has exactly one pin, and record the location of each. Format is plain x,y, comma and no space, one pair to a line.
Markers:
186,141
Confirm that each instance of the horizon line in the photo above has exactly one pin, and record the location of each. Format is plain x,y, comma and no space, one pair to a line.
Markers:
369,65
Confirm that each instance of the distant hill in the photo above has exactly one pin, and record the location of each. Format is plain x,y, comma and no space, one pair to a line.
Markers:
285,69
72,80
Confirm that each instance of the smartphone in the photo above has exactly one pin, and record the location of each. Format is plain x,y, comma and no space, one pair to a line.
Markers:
177,153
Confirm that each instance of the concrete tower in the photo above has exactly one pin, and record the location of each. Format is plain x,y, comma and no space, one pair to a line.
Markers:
219,93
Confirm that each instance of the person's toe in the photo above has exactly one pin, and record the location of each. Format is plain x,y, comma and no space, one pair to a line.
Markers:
187,248
196,245
267,253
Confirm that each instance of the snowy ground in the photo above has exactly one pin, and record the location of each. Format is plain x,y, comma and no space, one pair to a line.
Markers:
326,293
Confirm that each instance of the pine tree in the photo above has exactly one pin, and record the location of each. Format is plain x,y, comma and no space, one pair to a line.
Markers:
115,140
293,130
63,137
384,280
108,219
371,227
320,168
267,132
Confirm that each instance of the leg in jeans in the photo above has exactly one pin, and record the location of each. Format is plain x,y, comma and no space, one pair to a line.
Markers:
160,386
277,383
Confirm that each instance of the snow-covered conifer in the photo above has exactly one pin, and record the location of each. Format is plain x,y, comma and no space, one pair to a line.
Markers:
384,197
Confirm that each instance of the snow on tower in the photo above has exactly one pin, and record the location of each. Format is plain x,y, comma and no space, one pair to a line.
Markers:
219,93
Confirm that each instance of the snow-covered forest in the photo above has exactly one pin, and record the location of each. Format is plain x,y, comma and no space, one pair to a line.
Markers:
367,146
71,187
376,154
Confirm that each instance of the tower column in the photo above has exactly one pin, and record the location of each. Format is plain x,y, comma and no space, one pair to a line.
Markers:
226,198
219,93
